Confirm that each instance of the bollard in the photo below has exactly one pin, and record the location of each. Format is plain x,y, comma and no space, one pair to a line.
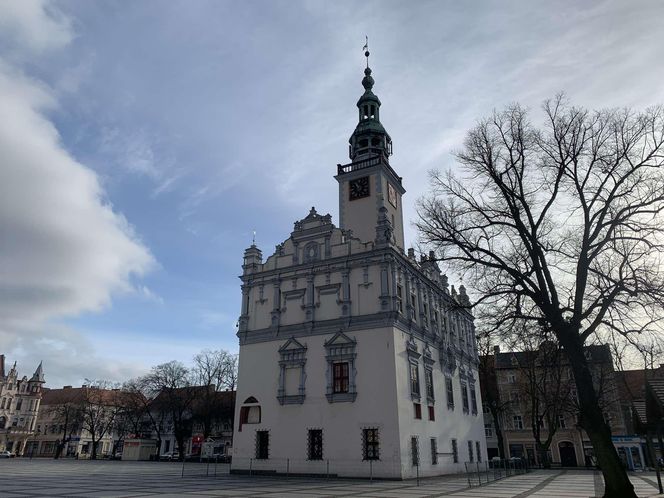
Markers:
287,467
216,460
251,461
182,468
417,473
327,470
207,468
370,470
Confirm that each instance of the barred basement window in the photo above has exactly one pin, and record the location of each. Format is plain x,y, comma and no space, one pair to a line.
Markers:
315,444
434,451
455,451
415,450
470,452
262,445
370,444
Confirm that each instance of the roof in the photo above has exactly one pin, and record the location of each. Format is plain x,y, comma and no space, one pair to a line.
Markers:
512,359
76,395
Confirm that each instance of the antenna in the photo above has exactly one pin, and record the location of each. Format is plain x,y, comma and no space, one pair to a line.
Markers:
366,49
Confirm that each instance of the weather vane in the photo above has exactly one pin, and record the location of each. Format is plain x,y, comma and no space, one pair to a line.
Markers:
366,49
253,240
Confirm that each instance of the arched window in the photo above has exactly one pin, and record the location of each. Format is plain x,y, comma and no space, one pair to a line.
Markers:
250,414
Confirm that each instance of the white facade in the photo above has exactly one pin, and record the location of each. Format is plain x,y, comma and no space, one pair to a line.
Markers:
348,346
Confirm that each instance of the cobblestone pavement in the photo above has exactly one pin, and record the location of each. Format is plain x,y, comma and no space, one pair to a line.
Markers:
21,478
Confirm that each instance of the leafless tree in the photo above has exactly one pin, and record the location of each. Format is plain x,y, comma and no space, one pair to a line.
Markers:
173,393
141,396
214,371
560,227
491,398
99,406
67,415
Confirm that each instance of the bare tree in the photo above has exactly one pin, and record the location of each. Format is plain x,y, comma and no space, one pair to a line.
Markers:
491,398
141,396
67,415
214,371
99,407
171,388
560,227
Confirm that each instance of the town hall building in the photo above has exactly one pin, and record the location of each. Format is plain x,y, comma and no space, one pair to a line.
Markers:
356,358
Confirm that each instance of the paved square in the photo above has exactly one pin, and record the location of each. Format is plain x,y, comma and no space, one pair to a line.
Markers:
70,478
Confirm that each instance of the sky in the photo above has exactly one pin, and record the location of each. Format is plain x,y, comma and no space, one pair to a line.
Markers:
142,143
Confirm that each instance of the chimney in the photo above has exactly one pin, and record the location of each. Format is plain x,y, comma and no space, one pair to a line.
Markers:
496,349
66,387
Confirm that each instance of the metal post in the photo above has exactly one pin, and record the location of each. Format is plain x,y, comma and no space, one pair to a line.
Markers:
251,461
287,467
182,468
216,460
371,470
327,470
479,476
653,457
207,468
470,484
417,472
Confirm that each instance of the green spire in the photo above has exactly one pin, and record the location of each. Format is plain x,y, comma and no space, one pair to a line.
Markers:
369,138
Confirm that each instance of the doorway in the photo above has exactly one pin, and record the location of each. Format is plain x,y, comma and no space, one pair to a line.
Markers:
567,454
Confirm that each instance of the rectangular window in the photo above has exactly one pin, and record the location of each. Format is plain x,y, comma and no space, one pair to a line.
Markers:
455,451
511,378
434,451
370,444
414,379
340,377
168,446
561,422
488,429
432,415
479,451
450,392
517,422
470,452
473,399
315,444
415,450
464,396
262,445
418,410
428,380
399,299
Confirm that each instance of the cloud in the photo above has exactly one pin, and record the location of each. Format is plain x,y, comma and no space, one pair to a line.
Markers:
64,249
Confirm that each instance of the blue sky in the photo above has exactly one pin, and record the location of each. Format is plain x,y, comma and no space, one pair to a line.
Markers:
144,141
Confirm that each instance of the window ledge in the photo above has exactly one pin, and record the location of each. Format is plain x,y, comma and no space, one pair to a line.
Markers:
341,397
296,399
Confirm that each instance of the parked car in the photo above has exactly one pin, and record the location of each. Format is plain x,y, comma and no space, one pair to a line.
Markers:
6,454
170,456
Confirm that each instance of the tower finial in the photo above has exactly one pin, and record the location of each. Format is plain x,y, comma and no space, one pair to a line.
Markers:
366,50
253,238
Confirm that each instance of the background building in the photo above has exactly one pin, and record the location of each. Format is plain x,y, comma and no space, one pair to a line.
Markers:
352,351
19,404
508,376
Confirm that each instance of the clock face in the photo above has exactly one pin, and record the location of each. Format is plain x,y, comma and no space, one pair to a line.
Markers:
391,195
359,188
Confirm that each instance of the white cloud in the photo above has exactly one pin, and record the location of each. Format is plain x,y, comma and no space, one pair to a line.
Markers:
64,250
35,25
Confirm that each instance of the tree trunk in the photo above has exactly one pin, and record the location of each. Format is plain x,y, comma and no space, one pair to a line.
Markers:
499,432
93,455
591,418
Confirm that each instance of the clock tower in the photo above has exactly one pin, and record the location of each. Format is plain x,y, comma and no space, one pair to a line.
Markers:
370,190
